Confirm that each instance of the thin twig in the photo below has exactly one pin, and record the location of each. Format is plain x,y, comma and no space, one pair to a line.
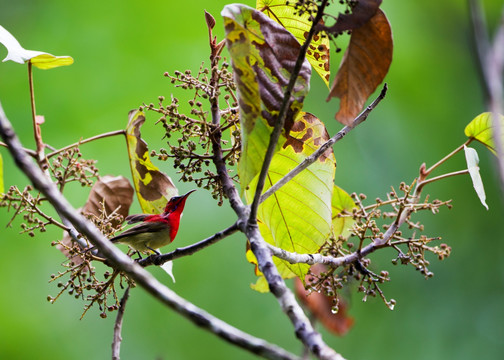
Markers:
188,250
41,213
116,343
30,152
96,137
444,176
461,147
323,148
36,127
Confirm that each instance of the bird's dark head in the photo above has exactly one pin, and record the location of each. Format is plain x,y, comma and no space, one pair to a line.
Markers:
177,203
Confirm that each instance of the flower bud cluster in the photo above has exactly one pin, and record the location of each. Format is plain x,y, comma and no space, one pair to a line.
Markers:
189,132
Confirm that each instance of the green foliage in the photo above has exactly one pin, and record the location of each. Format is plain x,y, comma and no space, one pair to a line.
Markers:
480,128
341,203
298,217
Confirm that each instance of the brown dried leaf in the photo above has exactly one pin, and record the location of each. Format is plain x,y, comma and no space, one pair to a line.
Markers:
320,306
364,66
360,15
115,193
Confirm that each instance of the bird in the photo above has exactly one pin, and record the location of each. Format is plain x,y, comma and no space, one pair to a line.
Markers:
154,230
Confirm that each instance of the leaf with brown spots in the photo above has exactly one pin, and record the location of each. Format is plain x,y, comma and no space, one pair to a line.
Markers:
286,15
153,187
363,67
298,217
263,56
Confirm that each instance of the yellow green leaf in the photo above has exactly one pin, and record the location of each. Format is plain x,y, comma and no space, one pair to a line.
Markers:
480,128
263,55
285,13
342,202
153,187
261,284
42,60
48,61
298,217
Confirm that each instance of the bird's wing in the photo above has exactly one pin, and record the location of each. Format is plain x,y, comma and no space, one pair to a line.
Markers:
151,227
136,218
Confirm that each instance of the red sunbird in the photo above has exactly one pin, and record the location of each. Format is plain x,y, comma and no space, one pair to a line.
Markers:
154,230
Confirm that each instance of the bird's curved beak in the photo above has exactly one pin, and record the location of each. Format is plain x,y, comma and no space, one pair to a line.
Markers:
188,193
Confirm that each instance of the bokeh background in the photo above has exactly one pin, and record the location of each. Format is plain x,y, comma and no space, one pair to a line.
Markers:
121,49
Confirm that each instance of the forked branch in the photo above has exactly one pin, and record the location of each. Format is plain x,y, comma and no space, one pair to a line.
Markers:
124,263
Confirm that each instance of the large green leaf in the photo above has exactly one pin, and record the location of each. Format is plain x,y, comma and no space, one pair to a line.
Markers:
298,217
153,187
285,13
480,128
263,55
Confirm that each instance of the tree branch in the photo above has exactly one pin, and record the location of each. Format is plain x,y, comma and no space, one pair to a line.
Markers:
491,65
313,157
302,325
282,114
116,343
122,262
188,250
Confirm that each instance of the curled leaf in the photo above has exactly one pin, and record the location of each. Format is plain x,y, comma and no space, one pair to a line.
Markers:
42,60
480,128
263,55
363,67
472,160
153,187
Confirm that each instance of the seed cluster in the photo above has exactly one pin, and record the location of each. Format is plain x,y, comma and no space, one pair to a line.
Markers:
366,229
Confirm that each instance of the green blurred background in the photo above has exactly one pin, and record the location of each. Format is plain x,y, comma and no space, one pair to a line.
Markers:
121,49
